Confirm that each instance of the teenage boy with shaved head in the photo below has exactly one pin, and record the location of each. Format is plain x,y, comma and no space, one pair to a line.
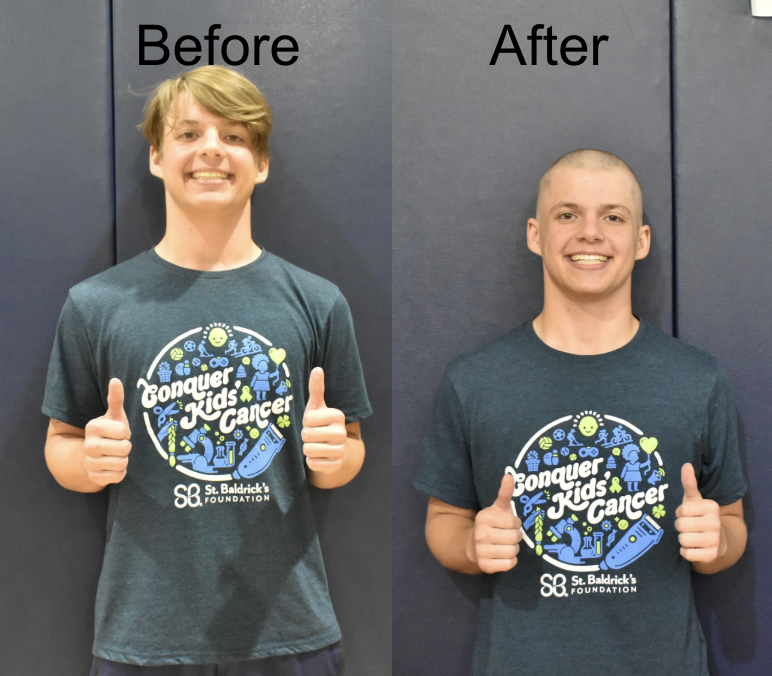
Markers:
594,466
205,383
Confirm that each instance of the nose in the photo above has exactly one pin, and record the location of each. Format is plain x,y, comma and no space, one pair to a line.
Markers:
591,229
211,144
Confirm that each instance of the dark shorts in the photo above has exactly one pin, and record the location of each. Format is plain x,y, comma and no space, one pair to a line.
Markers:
325,662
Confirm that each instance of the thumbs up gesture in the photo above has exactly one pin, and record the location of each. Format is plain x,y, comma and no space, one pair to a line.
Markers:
497,532
324,429
107,445
698,522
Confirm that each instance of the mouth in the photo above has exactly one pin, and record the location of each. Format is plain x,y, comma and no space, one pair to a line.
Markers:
210,176
588,259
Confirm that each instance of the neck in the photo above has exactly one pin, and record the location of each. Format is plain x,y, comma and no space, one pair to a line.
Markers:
581,326
208,241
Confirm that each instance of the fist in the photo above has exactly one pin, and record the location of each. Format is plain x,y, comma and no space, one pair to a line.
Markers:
497,532
107,444
324,429
698,522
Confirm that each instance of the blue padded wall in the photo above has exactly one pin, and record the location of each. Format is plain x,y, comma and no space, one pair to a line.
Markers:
325,207
722,93
471,141
57,230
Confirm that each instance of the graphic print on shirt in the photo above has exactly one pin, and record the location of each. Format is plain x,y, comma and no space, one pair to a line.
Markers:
589,489
216,399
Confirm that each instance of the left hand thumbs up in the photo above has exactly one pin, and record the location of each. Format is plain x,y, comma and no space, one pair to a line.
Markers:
316,390
698,522
324,429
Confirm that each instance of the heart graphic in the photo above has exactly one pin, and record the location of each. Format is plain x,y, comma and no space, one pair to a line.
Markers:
648,444
278,356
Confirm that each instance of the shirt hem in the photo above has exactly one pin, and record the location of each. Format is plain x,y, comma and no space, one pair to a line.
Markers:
113,654
445,496
65,416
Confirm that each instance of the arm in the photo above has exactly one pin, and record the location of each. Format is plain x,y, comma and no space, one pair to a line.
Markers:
450,536
473,542
713,538
65,457
86,460
730,537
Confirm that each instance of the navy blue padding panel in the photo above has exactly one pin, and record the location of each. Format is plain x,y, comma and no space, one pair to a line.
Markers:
325,207
722,94
470,144
56,230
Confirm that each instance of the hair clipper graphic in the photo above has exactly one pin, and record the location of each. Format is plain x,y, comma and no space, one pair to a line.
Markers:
636,542
256,461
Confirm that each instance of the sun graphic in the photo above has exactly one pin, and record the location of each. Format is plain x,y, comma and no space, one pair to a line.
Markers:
588,422
217,334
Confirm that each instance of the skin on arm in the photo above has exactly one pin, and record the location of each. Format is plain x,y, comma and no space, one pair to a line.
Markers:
713,538
473,542
87,460
334,450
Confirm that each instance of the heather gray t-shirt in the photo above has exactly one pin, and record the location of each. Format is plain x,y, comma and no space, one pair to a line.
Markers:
212,552
596,445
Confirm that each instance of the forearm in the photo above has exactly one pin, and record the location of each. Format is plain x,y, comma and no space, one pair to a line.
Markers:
451,539
64,457
734,536
352,464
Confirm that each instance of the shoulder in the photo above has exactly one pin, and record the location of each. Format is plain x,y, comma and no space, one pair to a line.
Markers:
314,289
665,351
505,352
112,285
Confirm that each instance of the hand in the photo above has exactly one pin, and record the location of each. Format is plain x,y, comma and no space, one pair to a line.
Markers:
497,532
107,444
698,523
324,429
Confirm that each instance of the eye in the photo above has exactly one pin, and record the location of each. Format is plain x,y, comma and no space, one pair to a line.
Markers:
234,138
567,216
615,219
187,135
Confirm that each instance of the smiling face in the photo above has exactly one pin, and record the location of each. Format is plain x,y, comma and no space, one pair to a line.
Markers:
217,337
588,425
207,162
587,231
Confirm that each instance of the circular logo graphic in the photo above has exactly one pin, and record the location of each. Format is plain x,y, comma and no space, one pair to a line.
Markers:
216,399
591,501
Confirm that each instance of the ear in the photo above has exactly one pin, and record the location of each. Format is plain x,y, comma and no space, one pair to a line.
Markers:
155,163
534,243
644,242
262,170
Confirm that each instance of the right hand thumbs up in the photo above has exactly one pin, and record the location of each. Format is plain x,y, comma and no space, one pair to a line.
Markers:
115,402
107,445
497,532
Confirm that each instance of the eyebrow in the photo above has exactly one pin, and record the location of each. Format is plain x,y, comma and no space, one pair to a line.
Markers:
228,123
604,207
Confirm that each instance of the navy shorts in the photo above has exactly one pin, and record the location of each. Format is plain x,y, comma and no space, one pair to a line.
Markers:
325,662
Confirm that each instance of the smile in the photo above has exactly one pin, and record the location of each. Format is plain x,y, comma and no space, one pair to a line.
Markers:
588,258
209,175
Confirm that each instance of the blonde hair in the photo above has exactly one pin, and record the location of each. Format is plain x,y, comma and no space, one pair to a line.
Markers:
217,90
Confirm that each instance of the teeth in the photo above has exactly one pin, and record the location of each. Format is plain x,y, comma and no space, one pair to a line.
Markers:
209,175
589,258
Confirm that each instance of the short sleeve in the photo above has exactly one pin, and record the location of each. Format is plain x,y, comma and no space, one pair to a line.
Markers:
343,378
445,471
72,393
721,478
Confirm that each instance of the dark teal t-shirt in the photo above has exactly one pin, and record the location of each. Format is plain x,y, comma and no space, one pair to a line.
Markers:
596,444
212,552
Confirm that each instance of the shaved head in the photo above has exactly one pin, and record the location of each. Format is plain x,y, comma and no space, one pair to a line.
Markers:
591,160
